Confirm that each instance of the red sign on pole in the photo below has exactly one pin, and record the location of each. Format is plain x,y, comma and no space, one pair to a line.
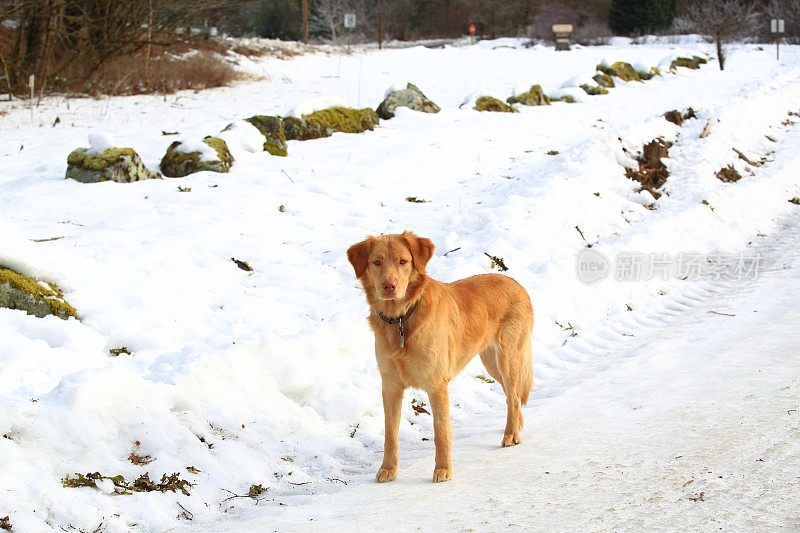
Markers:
472,29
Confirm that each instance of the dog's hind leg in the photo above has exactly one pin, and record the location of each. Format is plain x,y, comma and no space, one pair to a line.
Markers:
510,351
489,360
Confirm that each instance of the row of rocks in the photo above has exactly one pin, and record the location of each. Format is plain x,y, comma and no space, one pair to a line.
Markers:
124,165
604,80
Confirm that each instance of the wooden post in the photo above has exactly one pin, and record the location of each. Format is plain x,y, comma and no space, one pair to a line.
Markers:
305,21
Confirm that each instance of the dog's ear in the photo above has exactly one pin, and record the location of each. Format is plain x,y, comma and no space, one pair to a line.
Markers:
421,250
358,254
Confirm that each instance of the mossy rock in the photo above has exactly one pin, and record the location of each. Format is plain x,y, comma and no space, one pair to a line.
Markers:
533,96
490,103
272,130
177,163
410,97
646,75
122,165
693,62
604,80
568,98
621,70
296,129
37,298
343,119
325,122
593,90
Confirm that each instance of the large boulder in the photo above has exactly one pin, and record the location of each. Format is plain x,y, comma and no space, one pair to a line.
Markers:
122,165
490,103
38,298
621,70
410,97
325,122
183,158
272,130
533,96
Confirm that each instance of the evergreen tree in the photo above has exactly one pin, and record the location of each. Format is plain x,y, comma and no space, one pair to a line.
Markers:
628,17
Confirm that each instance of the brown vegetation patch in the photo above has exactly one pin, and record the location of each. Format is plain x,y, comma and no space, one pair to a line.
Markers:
678,117
165,74
728,174
652,174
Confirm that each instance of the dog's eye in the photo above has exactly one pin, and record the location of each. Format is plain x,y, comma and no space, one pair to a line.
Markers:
403,261
377,262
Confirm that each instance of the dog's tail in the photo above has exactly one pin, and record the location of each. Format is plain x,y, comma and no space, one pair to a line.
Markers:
526,374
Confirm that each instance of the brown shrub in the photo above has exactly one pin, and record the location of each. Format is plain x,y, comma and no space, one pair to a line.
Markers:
652,174
164,74
677,117
728,174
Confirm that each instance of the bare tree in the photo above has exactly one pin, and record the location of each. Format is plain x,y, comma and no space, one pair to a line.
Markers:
56,36
725,21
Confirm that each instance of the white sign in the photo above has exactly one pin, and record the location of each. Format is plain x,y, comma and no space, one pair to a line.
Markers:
778,26
349,20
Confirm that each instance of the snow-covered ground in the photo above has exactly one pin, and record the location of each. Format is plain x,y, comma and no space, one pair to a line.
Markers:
267,378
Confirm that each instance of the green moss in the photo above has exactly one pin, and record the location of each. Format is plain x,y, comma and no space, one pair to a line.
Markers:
490,103
621,70
36,298
273,131
604,80
325,122
533,96
693,63
221,147
84,158
568,98
122,165
593,90
343,119
649,74
177,163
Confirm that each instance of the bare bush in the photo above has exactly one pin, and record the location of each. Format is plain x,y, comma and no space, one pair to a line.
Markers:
165,74
55,37
725,21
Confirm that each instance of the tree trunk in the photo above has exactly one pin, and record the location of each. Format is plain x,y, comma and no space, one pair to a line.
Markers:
720,52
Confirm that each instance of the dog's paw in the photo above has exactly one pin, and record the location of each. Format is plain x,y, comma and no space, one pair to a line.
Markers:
386,474
442,474
510,440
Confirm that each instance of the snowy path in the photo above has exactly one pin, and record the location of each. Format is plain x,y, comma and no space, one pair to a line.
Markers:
698,428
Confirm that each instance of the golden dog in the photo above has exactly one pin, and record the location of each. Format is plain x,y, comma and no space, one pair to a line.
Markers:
427,331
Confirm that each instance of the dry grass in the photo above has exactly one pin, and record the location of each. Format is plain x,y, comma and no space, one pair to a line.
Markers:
164,74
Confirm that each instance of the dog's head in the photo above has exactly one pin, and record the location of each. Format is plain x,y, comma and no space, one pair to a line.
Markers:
388,265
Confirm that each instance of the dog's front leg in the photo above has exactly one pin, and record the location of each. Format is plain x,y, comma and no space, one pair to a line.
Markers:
440,403
392,405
